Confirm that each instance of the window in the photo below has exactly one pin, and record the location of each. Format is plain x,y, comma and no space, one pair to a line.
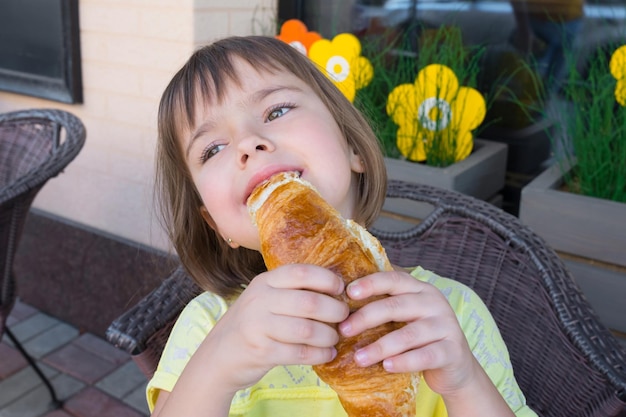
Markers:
40,49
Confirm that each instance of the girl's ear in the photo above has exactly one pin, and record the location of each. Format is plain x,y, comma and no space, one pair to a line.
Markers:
356,162
209,220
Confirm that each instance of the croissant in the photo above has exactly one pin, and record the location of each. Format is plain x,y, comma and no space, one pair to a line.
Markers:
296,225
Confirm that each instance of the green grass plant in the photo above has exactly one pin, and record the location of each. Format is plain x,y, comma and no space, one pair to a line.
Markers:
595,132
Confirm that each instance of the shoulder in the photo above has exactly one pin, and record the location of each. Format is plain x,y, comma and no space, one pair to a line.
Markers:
471,311
458,294
204,306
193,324
195,321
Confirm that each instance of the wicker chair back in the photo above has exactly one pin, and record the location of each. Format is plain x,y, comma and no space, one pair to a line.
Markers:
566,361
35,145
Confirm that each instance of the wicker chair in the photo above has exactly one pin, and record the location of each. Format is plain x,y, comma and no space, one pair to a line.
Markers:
35,145
566,362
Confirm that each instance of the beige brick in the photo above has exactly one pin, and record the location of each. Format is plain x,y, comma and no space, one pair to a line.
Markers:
111,78
169,57
109,18
210,25
131,167
117,136
95,103
253,22
146,53
132,110
153,83
63,196
94,157
121,207
102,47
94,46
167,24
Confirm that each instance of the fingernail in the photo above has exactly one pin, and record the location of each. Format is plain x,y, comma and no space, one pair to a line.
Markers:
388,365
361,357
334,354
354,289
345,328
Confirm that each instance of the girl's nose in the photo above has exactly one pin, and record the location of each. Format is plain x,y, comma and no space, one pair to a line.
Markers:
251,146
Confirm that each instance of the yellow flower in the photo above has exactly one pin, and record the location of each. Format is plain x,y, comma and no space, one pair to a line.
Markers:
618,69
341,61
435,111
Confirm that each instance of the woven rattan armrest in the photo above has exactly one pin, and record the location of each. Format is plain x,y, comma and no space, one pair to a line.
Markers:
143,330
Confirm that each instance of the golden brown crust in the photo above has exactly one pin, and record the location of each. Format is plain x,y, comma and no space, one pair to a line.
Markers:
297,226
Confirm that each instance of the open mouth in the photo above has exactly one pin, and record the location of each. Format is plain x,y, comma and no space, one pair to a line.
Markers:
262,192
266,178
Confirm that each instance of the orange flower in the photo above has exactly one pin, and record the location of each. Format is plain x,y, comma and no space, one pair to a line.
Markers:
296,34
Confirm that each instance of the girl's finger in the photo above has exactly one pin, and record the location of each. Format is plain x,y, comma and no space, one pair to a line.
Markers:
406,307
381,283
292,330
300,354
432,356
310,305
412,336
301,276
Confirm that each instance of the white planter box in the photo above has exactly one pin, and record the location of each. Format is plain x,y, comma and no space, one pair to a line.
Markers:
590,235
481,174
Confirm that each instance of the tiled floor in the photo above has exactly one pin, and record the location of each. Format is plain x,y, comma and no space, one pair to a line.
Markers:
91,377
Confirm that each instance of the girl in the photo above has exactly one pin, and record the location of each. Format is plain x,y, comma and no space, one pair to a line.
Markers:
240,110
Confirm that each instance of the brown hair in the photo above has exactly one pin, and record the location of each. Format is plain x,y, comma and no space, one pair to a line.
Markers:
204,79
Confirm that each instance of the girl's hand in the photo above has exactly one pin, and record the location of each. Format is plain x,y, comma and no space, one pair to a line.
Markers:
431,342
279,319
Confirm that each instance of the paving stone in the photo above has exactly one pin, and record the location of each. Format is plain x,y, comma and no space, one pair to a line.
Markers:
21,384
50,340
32,326
93,402
79,363
32,404
137,400
37,400
123,380
12,361
66,386
102,348
20,312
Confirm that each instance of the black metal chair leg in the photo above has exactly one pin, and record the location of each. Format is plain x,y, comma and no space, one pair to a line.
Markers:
55,401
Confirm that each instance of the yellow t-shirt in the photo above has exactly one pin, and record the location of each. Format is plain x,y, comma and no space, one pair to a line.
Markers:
288,391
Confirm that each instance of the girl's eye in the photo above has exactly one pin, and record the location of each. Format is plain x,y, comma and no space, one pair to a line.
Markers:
210,151
278,111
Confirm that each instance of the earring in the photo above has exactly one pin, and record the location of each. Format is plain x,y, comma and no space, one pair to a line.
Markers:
230,241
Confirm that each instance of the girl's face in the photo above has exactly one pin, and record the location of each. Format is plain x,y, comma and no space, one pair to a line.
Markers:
270,123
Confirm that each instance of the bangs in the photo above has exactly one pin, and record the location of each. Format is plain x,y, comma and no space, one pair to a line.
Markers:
205,79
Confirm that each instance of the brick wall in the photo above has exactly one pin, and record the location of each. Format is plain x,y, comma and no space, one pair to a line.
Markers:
130,49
